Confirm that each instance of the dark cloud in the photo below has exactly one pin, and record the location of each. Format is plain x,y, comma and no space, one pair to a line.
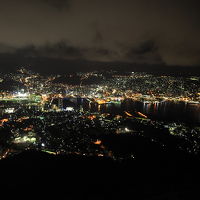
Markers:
145,48
98,37
147,52
58,4
63,50
6,48
59,50
140,31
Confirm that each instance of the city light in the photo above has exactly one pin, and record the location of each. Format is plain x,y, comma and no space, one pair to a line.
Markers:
60,118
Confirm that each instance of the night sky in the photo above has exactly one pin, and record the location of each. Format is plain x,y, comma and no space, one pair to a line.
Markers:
144,32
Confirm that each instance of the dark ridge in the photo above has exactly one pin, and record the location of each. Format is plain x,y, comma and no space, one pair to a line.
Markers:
75,175
45,65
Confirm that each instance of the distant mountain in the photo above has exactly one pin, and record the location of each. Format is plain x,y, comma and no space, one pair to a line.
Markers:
46,65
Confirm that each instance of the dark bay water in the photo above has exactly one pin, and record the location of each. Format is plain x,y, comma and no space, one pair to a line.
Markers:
167,111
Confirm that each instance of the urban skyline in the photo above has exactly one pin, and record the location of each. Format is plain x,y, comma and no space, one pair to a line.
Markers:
100,98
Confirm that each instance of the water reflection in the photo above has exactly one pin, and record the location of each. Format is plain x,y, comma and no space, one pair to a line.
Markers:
168,110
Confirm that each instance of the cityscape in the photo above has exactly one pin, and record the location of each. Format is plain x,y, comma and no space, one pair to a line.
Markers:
100,99
80,113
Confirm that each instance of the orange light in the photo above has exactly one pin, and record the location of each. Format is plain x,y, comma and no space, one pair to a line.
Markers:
142,115
91,117
100,101
130,115
2,121
98,142
22,119
30,128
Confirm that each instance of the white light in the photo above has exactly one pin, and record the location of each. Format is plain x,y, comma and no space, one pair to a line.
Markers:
43,145
69,109
9,110
19,94
127,130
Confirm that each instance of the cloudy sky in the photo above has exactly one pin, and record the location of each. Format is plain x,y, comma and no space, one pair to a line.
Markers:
133,31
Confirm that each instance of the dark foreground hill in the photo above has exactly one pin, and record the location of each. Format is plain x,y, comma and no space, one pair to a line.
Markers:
100,178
